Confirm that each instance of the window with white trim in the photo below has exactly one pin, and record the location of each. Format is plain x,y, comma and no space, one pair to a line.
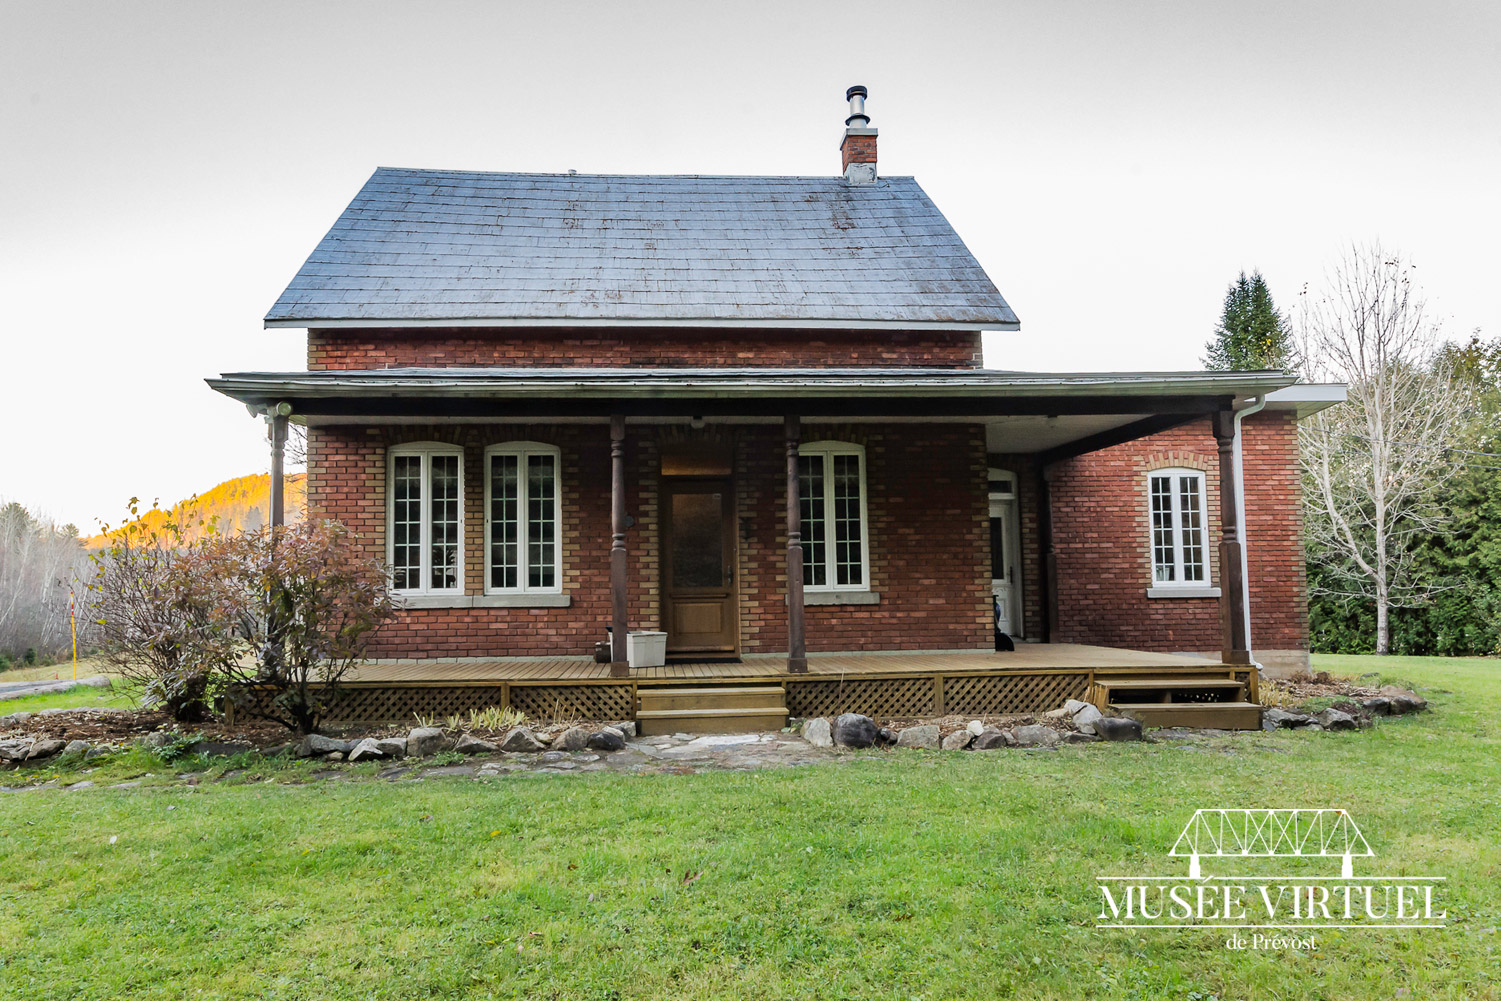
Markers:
831,494
523,512
425,518
1179,523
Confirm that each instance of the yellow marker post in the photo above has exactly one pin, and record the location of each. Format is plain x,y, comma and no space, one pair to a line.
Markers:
73,618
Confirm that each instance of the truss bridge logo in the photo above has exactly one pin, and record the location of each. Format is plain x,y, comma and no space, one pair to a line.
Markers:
1301,895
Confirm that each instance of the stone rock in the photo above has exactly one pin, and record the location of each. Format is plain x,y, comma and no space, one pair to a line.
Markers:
97,752
608,739
1074,706
315,745
1059,713
924,736
366,750
1035,735
520,739
75,747
975,727
886,736
85,784
1275,718
854,730
1117,728
1075,737
1380,705
957,741
547,758
222,748
993,739
575,738
1333,719
333,756
627,729
424,741
817,732
1403,700
470,744
45,748
612,728
1085,719
14,719
391,747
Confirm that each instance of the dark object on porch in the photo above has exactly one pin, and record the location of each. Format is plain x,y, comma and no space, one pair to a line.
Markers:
602,652
1003,642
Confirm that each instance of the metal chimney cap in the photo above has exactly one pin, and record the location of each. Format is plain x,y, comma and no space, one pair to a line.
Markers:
856,89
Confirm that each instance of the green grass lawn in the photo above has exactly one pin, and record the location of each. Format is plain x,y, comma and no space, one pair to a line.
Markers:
118,695
897,875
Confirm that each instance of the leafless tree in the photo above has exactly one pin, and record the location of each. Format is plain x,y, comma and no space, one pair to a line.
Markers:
1373,467
40,562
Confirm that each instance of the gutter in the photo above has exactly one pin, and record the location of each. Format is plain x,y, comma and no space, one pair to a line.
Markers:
1256,405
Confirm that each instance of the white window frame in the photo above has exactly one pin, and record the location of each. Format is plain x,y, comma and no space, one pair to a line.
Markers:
523,449
826,450
1175,517
425,450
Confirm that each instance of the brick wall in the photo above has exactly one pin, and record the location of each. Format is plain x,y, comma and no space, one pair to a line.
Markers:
1101,535
453,347
928,536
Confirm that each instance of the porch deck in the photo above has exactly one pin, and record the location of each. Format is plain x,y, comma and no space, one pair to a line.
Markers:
1033,678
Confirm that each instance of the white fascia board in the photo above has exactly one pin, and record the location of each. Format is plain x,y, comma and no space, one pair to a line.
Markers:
1307,397
788,324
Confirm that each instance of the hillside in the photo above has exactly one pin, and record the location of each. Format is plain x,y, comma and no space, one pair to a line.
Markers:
241,504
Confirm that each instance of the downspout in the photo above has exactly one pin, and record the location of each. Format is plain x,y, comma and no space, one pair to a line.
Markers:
1255,406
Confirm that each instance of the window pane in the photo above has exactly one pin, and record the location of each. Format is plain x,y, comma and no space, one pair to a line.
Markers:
848,550
1162,528
541,524
505,527
445,522
406,522
697,540
1193,528
810,492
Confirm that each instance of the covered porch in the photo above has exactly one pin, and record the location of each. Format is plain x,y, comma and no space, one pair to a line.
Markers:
610,430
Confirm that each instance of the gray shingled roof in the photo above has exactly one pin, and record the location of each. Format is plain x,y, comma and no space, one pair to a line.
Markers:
434,246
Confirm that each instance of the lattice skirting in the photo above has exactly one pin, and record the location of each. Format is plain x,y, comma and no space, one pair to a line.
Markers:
969,695
402,703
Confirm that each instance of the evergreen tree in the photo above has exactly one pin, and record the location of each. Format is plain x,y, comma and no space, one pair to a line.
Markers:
1251,334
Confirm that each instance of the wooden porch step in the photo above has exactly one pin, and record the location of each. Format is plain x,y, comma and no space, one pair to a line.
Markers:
717,709
1216,715
1179,682
755,720
712,697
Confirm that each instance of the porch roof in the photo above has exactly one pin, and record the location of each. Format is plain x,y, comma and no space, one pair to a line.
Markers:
756,391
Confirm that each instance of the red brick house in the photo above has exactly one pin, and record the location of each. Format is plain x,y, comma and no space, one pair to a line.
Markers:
751,413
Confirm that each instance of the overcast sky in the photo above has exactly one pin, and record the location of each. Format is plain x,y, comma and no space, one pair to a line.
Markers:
165,168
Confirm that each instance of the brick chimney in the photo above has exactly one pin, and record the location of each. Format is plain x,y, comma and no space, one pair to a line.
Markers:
858,150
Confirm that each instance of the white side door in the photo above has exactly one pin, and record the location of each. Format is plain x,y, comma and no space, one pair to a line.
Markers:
1003,565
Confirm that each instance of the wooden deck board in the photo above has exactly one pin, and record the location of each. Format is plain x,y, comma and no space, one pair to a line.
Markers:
1027,657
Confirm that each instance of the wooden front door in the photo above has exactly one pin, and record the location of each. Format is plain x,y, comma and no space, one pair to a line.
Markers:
698,566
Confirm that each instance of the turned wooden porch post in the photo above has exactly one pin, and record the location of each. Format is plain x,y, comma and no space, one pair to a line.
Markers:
277,419
1232,581
1049,554
618,666
797,644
